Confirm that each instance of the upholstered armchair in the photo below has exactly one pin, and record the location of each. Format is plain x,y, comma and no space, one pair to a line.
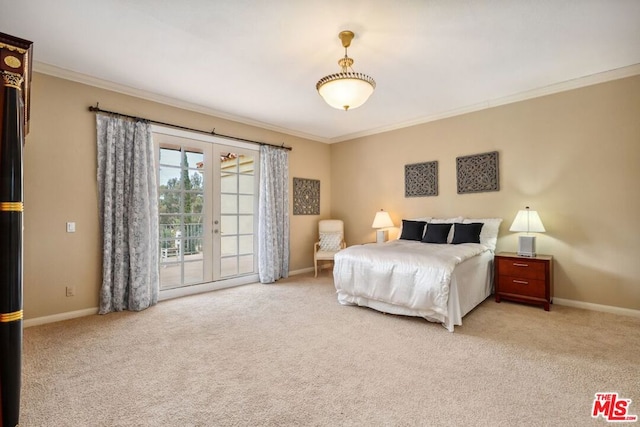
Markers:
330,241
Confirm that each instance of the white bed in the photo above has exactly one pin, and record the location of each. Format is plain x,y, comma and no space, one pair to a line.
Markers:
439,282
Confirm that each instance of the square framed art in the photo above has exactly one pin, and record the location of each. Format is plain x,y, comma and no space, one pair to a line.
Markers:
478,173
421,179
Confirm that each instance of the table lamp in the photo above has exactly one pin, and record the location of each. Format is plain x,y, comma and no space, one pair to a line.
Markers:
527,221
382,221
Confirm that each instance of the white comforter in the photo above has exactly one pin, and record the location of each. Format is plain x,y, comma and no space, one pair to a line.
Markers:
405,273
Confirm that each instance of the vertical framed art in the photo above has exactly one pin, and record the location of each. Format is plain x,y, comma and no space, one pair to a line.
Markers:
306,196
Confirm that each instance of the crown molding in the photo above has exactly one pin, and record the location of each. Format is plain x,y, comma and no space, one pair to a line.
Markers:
593,79
63,73
590,80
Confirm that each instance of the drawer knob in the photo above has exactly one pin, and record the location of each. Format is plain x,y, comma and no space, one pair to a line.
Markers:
517,264
522,282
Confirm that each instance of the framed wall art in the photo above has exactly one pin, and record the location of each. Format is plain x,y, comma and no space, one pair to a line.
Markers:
421,179
306,196
478,173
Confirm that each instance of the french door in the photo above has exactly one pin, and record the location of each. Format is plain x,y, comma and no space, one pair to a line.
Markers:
207,205
235,214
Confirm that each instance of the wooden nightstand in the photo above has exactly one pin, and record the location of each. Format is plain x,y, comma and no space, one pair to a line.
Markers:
524,279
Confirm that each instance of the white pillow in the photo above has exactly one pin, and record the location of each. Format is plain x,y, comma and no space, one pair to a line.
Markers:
330,242
489,232
447,221
425,219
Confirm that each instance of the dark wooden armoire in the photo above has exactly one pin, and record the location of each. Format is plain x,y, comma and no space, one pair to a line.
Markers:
15,69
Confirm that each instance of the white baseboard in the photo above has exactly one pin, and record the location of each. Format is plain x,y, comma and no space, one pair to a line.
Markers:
597,307
301,271
559,301
60,316
164,295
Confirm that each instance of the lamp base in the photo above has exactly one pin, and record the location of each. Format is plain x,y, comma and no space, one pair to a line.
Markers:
527,246
381,236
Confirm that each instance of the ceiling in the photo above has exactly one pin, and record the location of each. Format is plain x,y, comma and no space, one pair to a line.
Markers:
258,62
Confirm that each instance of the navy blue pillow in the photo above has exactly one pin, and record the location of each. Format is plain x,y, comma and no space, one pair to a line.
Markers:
412,230
437,233
467,233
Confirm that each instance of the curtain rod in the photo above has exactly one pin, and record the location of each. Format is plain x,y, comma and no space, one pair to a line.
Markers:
97,109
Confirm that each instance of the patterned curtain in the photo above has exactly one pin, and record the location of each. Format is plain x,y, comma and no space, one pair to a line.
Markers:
273,221
129,214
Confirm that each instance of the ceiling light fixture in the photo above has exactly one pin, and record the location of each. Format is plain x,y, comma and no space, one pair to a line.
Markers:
347,89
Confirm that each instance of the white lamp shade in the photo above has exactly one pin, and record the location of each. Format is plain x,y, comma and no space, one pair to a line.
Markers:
346,93
528,221
382,220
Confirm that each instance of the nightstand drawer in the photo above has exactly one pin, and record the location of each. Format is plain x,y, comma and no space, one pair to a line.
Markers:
522,268
522,286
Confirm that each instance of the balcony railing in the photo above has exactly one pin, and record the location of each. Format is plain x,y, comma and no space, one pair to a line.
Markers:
173,244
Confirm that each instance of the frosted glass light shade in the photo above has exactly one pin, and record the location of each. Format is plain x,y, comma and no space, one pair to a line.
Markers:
382,220
528,221
345,91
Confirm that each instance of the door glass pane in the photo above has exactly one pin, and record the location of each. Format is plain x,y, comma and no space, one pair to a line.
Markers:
229,162
170,275
170,203
170,156
194,160
245,164
245,264
228,245
194,203
192,249
193,226
193,272
245,224
229,224
228,266
246,204
228,203
228,182
166,227
246,244
169,177
196,181
245,184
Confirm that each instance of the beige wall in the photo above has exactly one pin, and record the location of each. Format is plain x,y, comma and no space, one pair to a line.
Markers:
60,186
573,156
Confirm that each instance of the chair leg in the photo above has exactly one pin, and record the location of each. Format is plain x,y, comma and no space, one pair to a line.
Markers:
315,264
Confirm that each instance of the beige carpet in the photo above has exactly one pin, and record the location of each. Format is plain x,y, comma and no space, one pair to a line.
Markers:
289,354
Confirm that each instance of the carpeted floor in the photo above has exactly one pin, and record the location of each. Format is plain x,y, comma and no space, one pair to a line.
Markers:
288,354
